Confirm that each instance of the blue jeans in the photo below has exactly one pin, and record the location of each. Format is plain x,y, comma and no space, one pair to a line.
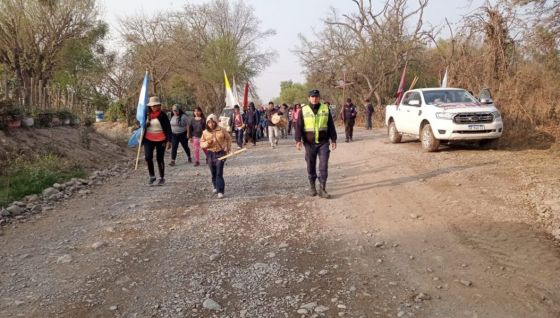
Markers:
217,169
239,137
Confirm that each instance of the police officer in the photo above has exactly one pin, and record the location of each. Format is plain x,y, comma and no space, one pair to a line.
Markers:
315,129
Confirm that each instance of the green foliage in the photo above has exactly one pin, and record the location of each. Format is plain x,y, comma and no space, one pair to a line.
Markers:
23,177
116,112
292,93
64,114
99,101
179,91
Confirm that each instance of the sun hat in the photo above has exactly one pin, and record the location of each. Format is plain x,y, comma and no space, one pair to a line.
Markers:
211,117
154,101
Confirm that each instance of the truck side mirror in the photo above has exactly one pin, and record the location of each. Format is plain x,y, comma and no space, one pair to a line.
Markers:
486,100
414,102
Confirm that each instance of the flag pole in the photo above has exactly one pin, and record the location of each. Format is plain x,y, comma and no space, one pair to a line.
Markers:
139,147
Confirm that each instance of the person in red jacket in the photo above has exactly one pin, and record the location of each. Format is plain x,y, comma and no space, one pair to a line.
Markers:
157,135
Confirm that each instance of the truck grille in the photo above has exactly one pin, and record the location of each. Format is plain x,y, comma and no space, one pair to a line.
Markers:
474,131
473,118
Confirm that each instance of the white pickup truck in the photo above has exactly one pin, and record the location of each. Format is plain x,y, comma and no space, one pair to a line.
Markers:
438,115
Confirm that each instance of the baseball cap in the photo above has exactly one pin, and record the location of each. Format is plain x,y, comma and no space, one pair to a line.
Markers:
314,93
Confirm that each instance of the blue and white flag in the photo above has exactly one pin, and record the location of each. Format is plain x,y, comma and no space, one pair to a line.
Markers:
134,140
142,103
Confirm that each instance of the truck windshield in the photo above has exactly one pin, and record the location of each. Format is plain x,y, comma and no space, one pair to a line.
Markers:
448,97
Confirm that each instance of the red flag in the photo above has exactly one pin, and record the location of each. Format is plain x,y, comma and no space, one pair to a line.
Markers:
400,91
246,96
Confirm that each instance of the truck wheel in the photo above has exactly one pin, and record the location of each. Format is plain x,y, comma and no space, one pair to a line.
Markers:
394,135
429,142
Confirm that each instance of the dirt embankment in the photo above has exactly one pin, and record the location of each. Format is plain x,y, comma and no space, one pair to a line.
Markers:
69,143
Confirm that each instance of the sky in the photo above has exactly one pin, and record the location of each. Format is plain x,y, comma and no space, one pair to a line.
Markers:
288,18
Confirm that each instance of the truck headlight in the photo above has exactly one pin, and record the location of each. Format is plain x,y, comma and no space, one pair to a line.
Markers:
445,115
497,114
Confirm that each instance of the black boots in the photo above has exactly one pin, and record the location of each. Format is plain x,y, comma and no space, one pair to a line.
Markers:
312,189
322,192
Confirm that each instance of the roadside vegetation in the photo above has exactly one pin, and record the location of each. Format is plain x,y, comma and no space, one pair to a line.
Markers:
20,177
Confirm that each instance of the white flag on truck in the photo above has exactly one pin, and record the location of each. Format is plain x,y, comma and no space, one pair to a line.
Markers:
444,81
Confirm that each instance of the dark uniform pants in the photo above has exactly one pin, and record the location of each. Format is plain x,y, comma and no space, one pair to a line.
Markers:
349,128
312,151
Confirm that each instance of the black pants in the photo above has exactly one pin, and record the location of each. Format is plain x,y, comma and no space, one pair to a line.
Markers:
149,147
217,169
349,128
369,123
289,128
175,140
312,151
239,137
251,134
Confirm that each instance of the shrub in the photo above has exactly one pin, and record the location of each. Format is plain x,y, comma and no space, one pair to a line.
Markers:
116,112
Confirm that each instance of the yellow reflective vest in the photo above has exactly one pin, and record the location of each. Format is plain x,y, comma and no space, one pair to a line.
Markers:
315,122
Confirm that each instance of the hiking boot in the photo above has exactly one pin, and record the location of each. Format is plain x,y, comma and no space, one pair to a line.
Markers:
172,163
152,180
161,181
312,189
190,160
322,192
196,164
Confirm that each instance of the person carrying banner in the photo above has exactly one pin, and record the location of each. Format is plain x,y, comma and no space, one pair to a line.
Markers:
314,130
157,136
217,142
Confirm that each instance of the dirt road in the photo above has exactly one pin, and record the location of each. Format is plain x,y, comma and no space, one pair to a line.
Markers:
459,233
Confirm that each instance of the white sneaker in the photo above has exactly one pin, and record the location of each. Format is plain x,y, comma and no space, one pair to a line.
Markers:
215,191
220,195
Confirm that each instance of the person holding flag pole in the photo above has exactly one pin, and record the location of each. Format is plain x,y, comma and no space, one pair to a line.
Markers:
157,136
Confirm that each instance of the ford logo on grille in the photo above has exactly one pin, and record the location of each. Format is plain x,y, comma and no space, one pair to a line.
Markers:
474,118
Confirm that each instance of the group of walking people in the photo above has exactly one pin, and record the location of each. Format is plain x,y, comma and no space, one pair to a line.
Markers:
313,126
163,133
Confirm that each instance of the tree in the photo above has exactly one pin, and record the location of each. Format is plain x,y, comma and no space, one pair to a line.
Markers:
292,93
192,47
33,33
371,46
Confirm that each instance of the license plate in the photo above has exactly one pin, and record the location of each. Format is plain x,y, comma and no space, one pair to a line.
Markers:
476,127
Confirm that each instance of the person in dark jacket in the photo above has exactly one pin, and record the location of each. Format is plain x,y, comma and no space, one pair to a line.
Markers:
157,135
315,130
252,123
369,115
349,113
179,125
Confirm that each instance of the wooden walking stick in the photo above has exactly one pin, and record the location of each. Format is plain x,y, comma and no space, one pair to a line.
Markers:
235,153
